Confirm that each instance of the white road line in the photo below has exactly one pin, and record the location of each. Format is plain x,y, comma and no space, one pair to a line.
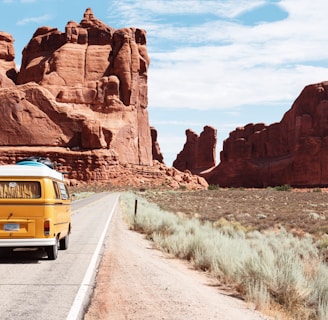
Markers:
80,297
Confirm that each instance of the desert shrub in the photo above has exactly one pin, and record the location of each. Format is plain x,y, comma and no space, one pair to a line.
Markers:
319,293
267,268
322,245
323,228
213,187
323,311
258,294
182,243
285,187
149,218
289,284
230,227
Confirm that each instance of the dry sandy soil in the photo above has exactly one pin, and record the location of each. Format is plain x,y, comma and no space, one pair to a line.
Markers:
138,282
296,210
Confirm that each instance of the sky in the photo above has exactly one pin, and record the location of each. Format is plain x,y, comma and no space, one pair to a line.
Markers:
222,63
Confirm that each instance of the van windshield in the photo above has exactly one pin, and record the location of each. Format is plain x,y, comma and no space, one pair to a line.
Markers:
20,190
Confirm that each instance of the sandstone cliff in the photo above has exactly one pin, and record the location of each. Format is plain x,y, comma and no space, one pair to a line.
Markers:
91,84
199,152
81,99
293,151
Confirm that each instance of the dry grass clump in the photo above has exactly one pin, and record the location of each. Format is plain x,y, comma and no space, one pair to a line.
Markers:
273,269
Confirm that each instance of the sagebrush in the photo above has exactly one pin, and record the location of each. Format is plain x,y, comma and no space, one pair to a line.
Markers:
271,269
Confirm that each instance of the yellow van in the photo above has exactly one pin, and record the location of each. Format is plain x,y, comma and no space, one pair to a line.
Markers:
35,208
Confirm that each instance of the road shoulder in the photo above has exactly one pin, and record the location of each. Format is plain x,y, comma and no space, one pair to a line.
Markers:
137,282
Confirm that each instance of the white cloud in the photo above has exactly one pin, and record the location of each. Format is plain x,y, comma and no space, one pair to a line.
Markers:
265,64
161,17
224,8
34,20
209,85
216,62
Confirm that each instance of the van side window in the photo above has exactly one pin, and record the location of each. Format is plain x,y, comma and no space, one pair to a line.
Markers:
63,191
20,190
56,188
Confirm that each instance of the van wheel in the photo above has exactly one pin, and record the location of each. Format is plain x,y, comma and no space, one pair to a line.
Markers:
63,243
52,251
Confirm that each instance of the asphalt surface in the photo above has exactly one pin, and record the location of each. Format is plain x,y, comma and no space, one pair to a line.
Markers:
32,287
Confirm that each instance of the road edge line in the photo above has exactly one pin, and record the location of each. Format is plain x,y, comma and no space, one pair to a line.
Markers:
85,285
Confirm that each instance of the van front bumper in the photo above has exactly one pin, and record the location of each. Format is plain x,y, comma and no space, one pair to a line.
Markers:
20,243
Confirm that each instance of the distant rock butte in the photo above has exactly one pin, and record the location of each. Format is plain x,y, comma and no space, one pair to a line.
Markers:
157,154
199,152
293,151
80,98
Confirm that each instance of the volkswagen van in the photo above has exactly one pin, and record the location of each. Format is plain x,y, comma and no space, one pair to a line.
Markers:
35,208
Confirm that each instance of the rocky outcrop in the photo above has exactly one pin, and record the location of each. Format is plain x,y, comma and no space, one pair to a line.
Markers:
157,154
88,89
293,151
80,98
199,152
100,167
8,72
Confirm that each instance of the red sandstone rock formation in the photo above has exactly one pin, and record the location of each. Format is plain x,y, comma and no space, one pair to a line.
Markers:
81,99
100,167
91,85
157,155
8,72
293,151
198,153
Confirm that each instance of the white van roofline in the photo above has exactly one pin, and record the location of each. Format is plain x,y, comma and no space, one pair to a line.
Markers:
13,170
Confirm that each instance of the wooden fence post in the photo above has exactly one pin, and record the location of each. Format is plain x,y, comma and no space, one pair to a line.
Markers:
135,207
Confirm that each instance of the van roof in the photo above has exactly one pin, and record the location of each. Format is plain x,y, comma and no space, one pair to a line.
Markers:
29,170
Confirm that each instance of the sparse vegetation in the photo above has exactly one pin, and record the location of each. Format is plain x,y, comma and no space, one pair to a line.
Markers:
284,187
270,266
213,187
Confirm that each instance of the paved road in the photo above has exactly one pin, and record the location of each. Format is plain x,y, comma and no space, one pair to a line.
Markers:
32,287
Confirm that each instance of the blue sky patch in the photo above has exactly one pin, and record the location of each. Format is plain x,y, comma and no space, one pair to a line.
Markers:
263,14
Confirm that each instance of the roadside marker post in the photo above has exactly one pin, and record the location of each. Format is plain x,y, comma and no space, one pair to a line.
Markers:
135,207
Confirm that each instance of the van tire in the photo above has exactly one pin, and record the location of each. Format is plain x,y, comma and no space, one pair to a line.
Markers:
63,243
52,251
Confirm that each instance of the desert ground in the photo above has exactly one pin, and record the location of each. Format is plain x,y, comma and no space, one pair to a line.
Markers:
135,280
297,210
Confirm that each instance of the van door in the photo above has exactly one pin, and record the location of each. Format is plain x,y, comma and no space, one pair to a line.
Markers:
62,212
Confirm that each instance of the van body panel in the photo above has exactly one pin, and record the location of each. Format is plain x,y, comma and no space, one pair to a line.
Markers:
35,208
17,228
28,243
